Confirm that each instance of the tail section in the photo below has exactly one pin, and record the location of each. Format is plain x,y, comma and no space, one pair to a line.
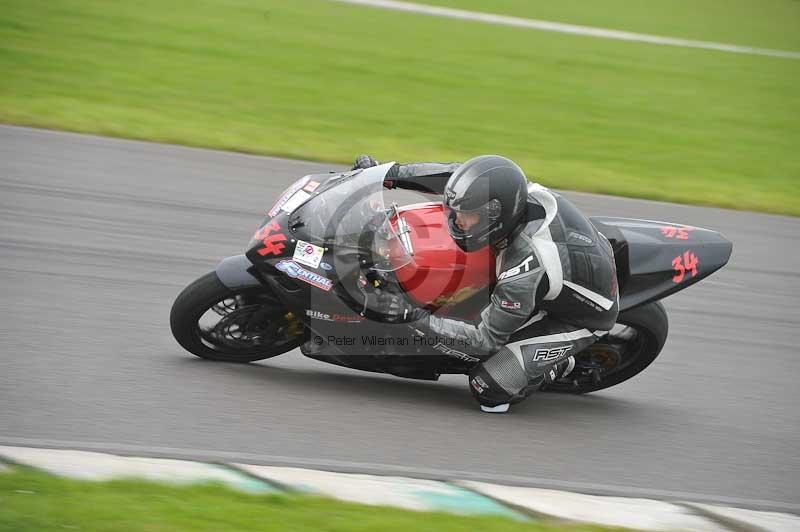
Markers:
656,259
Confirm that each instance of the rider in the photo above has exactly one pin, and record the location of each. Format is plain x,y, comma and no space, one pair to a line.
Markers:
556,289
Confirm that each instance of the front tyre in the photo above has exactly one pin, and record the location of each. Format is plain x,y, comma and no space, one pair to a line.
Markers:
210,320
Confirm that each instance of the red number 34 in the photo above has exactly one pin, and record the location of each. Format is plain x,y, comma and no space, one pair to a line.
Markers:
684,263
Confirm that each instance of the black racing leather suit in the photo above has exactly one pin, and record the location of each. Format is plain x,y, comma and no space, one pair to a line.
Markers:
556,292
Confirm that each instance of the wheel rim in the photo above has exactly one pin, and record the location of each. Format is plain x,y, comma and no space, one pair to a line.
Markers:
248,322
614,352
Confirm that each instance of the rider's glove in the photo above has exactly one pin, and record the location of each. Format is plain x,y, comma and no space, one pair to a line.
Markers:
404,311
395,308
365,161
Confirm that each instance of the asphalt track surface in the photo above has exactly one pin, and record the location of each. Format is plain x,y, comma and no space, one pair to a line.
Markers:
99,236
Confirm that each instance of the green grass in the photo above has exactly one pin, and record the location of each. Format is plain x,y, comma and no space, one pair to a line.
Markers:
758,23
322,80
32,501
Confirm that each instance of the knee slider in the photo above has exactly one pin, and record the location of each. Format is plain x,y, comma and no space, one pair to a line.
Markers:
485,389
499,380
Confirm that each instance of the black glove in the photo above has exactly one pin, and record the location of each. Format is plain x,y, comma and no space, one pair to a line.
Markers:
365,161
394,308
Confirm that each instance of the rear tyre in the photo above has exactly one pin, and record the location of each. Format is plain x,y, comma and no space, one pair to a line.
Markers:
210,320
625,351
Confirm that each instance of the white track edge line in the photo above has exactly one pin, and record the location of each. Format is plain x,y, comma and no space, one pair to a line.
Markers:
574,29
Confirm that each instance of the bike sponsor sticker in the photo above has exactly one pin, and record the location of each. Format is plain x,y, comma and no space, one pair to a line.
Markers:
311,186
297,199
325,266
308,254
288,194
511,305
294,270
341,318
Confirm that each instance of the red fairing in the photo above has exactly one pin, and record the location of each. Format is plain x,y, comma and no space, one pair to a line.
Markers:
440,273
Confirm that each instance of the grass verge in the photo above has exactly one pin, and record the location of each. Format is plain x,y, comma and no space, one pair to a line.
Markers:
757,23
323,80
33,501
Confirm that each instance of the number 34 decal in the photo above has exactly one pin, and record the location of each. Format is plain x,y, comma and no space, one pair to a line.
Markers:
683,264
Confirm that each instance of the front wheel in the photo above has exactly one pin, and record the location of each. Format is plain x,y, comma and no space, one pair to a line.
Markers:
627,349
210,320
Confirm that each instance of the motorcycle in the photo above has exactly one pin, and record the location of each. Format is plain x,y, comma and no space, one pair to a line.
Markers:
330,243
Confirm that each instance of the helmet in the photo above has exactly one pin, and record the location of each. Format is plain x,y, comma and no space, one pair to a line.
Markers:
494,190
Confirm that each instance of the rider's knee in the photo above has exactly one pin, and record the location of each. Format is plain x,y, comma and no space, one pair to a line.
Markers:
501,379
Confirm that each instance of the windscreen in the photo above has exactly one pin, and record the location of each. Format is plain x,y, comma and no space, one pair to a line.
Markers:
350,214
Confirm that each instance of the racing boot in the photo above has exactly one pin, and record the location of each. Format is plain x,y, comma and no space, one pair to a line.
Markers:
560,370
500,381
491,397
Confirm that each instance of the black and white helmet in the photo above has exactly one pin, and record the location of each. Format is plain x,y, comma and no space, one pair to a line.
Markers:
489,185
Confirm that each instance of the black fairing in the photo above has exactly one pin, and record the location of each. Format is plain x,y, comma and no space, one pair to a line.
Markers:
296,296
656,259
335,314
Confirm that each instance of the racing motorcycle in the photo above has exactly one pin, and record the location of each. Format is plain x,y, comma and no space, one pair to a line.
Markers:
330,243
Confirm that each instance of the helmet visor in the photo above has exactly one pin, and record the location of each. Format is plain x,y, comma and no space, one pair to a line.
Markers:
472,223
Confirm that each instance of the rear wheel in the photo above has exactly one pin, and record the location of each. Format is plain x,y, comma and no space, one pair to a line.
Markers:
627,349
210,320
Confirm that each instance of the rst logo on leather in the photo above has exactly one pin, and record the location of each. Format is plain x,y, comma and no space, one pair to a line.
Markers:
523,267
292,269
552,353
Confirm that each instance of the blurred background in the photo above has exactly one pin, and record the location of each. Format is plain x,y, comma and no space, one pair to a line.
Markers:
323,80
98,235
